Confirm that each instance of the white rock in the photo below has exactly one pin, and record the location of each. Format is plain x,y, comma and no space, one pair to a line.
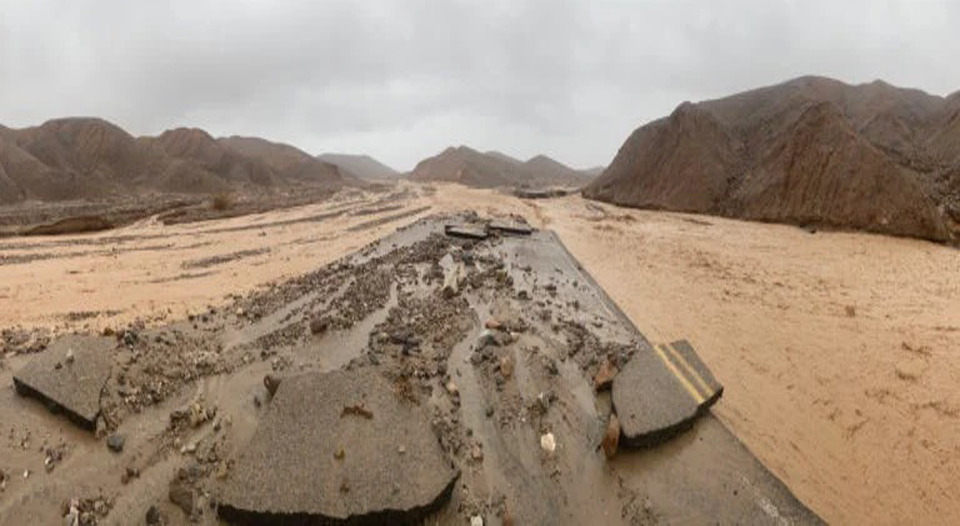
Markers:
476,520
70,356
548,442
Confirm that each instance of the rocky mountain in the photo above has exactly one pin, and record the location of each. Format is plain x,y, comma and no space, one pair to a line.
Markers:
89,158
811,151
363,166
470,167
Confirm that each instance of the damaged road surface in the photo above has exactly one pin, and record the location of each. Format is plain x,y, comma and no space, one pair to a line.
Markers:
69,377
340,447
463,370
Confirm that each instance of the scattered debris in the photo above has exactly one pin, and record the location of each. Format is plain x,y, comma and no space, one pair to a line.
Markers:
357,410
116,442
548,442
603,380
611,439
271,383
154,518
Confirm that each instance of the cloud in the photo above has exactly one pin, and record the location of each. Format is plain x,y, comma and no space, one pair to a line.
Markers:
402,79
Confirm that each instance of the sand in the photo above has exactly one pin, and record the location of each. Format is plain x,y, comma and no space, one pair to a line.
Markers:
839,352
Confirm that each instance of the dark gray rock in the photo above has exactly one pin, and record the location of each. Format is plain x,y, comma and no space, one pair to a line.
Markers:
116,442
70,387
325,452
661,391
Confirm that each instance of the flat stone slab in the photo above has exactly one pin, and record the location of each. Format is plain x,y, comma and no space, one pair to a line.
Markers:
509,227
466,231
661,391
338,448
71,387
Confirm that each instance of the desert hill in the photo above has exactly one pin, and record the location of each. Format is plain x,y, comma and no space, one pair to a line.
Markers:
470,167
363,166
90,158
811,151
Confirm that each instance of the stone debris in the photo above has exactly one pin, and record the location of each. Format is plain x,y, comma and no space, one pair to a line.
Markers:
548,443
86,512
115,443
71,387
476,520
603,380
611,439
271,382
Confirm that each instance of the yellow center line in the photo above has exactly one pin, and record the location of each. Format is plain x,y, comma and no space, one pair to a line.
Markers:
697,397
691,372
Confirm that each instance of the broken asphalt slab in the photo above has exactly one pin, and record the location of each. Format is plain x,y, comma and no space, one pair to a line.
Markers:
466,231
68,377
511,228
661,391
338,448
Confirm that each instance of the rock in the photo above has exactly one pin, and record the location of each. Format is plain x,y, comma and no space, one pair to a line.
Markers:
548,442
611,439
493,325
116,442
476,520
605,374
271,383
153,516
182,495
506,366
319,325
487,338
476,453
69,357
72,517
452,389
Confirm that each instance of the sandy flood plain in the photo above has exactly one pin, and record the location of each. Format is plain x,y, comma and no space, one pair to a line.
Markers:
840,353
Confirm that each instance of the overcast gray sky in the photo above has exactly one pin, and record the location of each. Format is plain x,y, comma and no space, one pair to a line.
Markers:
403,79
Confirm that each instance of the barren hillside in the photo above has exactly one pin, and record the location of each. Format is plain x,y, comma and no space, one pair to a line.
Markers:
89,158
362,166
812,151
470,167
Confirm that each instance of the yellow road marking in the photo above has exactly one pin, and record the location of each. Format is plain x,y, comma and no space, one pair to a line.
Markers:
692,373
686,383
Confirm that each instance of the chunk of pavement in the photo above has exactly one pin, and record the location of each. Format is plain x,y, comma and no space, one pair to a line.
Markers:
466,231
69,387
511,227
290,468
661,391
